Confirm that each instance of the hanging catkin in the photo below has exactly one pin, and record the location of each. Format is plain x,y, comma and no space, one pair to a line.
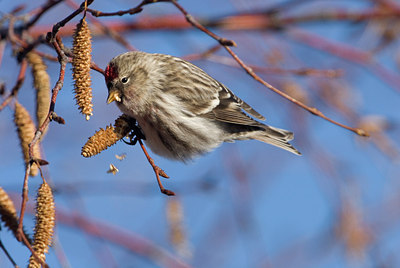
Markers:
44,226
81,60
41,82
26,131
9,214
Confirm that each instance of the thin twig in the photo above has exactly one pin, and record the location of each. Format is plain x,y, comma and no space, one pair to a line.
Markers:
61,23
29,246
348,53
203,55
41,11
312,110
63,62
195,23
107,30
7,254
130,11
93,65
2,48
158,171
330,73
20,230
17,86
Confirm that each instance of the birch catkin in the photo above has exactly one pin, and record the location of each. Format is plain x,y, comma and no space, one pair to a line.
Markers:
44,227
82,47
26,131
41,82
105,138
8,212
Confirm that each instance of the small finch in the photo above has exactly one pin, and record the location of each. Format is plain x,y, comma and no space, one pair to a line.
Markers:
182,111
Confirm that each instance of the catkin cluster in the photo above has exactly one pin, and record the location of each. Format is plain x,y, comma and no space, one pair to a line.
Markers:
45,219
81,49
41,82
105,138
26,131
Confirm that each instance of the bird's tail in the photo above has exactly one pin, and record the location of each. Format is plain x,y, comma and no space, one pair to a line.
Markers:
275,136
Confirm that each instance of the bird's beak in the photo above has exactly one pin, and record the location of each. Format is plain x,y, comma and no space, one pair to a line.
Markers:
114,95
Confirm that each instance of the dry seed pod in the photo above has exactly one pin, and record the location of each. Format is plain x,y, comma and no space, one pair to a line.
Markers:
113,169
103,139
26,131
44,226
81,60
41,82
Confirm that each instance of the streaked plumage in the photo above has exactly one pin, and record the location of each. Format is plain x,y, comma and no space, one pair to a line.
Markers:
183,111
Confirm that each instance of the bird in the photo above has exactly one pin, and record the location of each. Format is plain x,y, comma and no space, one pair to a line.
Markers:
182,111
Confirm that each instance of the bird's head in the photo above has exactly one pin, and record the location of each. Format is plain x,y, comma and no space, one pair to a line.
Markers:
112,82
131,79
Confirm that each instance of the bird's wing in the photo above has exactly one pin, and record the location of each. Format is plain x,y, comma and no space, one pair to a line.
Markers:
229,110
204,96
241,103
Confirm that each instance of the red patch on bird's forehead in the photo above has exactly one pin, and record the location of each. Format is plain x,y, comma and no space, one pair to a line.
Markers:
110,73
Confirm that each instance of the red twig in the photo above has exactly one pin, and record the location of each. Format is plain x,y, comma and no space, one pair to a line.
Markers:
2,48
208,53
63,62
130,11
41,11
128,240
18,84
29,246
93,65
261,21
120,237
330,73
236,22
11,33
195,23
61,23
20,234
107,30
348,53
312,110
158,171
20,231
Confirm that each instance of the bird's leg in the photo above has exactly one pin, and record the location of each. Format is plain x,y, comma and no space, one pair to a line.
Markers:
135,132
135,135
158,171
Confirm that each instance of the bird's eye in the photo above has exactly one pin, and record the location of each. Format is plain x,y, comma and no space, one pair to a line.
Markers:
124,80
